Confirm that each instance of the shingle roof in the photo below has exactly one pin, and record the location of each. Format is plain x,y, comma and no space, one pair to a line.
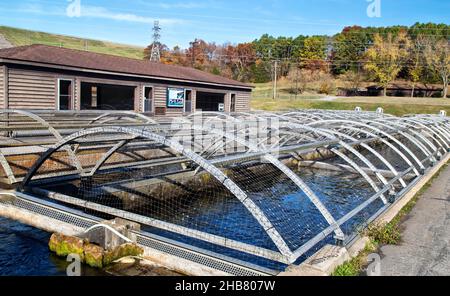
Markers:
95,61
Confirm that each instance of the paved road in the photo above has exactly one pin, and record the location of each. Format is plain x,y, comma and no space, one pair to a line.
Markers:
425,249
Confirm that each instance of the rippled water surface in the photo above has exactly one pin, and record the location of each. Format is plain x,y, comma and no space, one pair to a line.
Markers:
214,210
24,251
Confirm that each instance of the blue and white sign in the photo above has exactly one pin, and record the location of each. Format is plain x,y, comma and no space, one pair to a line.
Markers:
175,97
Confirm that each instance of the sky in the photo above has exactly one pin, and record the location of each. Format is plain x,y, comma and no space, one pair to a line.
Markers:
221,21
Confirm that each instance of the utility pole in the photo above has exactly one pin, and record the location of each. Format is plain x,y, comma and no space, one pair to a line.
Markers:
275,79
155,55
296,80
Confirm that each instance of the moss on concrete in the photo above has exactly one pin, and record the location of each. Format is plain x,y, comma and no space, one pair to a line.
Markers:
64,245
93,255
90,254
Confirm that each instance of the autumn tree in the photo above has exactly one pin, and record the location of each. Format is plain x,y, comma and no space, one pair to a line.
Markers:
201,54
349,48
437,56
240,58
314,53
415,63
384,59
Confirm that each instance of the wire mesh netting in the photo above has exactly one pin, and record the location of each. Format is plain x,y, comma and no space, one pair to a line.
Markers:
259,190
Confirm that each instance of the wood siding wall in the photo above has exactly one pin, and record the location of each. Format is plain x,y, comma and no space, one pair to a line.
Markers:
243,101
31,90
2,89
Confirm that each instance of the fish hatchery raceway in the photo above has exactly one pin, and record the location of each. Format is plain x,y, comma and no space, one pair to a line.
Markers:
226,194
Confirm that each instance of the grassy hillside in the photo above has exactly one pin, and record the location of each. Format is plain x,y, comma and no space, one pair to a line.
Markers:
262,100
20,37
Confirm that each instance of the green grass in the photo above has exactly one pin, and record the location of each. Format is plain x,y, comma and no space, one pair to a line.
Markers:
262,100
393,109
19,37
355,266
384,234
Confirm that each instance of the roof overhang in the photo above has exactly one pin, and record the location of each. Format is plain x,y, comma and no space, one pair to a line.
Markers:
104,72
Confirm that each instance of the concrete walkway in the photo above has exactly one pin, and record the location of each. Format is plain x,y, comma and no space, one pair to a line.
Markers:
425,247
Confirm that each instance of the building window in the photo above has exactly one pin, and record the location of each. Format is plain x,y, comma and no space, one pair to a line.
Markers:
100,96
148,99
94,100
233,103
188,101
65,94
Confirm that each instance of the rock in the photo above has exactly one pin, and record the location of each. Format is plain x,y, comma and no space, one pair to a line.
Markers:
126,260
122,251
93,255
64,245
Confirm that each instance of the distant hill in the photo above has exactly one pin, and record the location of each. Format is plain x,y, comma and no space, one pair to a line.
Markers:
19,37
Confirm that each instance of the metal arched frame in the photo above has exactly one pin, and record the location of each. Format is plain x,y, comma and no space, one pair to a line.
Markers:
437,133
285,170
406,135
412,129
353,164
305,115
376,130
300,183
384,160
328,133
364,159
119,114
435,122
347,159
289,173
384,141
215,115
284,255
5,164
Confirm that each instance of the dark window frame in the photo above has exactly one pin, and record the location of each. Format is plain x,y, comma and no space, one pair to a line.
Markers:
70,96
233,102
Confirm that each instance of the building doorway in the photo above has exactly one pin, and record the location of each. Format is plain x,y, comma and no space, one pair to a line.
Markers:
207,101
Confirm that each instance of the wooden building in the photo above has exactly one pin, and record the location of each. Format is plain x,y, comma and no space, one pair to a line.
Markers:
47,77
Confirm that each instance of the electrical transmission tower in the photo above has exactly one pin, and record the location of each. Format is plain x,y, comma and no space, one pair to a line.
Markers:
155,55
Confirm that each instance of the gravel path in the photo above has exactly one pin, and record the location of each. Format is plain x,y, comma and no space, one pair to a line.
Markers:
4,43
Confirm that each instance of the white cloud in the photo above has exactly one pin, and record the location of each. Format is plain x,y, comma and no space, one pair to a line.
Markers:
100,12
183,5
